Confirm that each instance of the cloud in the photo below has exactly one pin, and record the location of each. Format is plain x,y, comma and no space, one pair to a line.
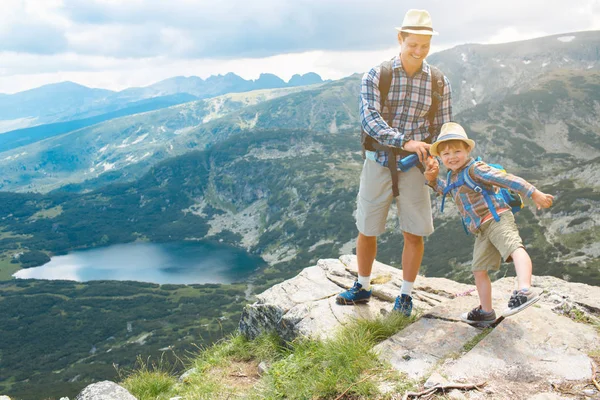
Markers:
132,41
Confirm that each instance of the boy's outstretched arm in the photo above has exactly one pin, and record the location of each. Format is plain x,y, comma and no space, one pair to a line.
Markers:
541,199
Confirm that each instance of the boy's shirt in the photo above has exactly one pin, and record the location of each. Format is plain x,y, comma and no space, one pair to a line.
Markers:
472,205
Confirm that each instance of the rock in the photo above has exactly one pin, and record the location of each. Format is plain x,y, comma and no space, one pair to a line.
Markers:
104,390
263,368
418,348
532,346
4,398
435,379
183,378
305,305
546,396
456,394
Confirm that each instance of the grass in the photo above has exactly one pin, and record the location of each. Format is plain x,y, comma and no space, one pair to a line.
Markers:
478,338
344,365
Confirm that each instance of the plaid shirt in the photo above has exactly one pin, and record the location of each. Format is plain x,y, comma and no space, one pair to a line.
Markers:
407,104
471,205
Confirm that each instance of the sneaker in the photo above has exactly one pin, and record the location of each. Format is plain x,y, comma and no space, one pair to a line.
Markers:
403,305
478,317
520,300
355,295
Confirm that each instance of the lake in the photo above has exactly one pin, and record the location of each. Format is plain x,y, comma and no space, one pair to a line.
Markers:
176,263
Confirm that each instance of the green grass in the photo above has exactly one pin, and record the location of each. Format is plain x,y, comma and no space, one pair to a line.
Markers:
303,369
478,338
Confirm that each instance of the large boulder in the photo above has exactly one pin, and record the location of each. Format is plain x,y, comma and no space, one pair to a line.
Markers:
105,390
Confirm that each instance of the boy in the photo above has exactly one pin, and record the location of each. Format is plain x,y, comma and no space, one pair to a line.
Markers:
495,240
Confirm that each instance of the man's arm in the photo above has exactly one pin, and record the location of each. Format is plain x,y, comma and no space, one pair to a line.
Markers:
370,118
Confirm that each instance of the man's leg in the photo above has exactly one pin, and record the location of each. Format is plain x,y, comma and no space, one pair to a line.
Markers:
412,256
366,251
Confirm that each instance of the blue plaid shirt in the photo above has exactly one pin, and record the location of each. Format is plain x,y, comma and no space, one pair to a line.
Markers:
407,104
471,205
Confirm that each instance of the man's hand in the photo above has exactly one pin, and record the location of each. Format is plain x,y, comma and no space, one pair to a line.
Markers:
421,148
432,169
541,199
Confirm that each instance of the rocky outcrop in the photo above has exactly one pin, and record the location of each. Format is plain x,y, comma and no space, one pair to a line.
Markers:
533,352
105,390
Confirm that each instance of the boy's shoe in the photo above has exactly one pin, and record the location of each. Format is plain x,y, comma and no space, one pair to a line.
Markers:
520,300
478,317
355,295
403,305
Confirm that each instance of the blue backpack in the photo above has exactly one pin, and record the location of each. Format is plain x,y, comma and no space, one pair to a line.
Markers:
510,197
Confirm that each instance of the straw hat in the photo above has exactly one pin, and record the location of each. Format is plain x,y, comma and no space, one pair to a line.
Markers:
417,22
451,131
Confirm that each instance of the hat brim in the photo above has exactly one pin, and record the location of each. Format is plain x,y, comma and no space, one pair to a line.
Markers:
418,31
433,149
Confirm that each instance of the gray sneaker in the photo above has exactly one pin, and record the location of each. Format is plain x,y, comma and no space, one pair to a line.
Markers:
478,317
520,300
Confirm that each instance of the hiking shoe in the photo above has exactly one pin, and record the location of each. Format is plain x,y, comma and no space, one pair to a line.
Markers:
478,317
520,300
355,295
403,305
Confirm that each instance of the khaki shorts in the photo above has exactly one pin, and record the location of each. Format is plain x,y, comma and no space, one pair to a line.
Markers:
375,197
495,242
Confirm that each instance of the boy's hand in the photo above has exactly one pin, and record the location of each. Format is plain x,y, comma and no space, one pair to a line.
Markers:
541,199
432,168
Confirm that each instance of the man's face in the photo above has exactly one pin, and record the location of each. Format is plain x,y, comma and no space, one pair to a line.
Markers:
414,49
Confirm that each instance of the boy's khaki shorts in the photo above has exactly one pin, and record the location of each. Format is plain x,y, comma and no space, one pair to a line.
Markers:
375,197
495,242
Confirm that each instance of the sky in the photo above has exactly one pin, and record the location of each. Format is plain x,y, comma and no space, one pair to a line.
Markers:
115,44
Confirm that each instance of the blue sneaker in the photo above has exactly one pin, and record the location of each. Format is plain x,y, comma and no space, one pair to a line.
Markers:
403,305
355,295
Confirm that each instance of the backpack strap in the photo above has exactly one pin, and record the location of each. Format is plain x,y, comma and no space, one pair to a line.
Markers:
485,192
385,81
437,93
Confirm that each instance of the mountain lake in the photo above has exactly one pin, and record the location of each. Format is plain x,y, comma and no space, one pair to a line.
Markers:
174,263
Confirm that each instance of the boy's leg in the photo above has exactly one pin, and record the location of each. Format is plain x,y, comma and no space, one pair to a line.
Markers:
485,257
506,239
523,267
484,289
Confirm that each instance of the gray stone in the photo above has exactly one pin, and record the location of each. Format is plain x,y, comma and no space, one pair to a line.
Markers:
456,394
104,390
533,345
546,396
184,377
263,368
417,349
435,379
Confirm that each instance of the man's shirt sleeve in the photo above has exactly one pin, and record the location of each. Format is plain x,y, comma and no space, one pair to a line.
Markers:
370,118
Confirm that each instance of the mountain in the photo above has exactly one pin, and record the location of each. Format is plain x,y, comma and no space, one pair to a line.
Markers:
285,186
138,141
23,137
67,101
486,73
478,73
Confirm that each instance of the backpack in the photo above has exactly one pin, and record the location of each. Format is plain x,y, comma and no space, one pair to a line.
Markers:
385,81
510,197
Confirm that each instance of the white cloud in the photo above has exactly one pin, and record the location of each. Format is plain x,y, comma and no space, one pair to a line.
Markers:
114,44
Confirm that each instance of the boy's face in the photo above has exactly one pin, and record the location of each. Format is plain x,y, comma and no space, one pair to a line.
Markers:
454,154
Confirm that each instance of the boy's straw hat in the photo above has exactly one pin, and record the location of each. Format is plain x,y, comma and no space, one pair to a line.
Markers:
451,131
417,22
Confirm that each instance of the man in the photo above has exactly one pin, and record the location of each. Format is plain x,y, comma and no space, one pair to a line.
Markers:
402,123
